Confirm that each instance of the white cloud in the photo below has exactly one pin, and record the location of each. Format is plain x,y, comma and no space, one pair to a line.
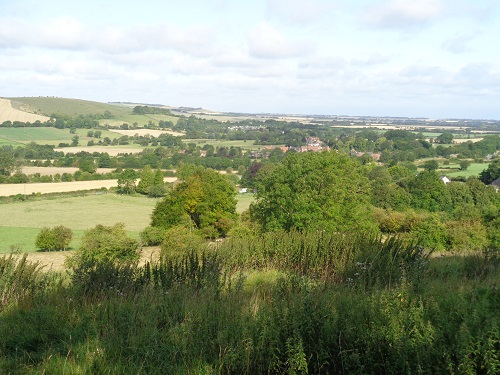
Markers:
459,44
404,13
296,11
68,33
266,42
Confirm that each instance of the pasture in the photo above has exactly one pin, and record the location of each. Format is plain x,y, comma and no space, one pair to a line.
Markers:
20,222
473,170
244,201
39,135
47,135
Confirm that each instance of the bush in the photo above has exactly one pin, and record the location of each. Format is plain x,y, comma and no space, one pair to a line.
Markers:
104,244
467,235
153,236
181,239
57,238
157,191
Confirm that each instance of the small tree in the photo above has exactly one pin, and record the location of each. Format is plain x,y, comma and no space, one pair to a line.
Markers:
430,165
53,239
464,164
146,180
126,182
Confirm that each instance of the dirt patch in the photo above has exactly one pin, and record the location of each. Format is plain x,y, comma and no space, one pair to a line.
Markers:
54,260
111,150
143,132
8,113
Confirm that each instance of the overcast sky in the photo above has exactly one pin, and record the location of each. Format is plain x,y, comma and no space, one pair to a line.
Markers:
429,58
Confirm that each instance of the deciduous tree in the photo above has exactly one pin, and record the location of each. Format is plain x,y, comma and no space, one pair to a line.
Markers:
312,191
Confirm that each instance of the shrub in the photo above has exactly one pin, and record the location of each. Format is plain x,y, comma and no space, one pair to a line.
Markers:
180,239
57,238
466,235
157,191
153,236
104,244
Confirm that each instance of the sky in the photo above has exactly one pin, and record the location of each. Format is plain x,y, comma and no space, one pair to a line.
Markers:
413,58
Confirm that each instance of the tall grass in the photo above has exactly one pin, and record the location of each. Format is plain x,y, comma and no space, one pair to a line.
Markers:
362,259
197,314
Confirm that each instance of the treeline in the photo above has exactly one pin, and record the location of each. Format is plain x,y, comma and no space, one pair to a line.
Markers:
147,110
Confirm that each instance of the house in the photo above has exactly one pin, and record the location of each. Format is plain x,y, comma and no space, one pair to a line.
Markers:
496,184
445,179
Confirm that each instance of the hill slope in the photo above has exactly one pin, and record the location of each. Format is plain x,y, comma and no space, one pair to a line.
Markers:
70,107
10,112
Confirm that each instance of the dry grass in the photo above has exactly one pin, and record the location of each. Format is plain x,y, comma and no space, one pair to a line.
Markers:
54,260
465,140
110,150
50,171
7,113
55,187
143,132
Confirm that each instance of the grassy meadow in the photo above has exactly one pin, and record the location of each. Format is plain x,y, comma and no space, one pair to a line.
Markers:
244,201
20,222
473,170
38,135
50,136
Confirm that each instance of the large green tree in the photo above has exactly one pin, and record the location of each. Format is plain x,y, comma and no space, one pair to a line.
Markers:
491,173
312,191
205,200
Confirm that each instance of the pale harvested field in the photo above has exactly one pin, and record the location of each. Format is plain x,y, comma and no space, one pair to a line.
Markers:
54,187
465,140
143,132
111,150
54,260
60,187
7,113
50,171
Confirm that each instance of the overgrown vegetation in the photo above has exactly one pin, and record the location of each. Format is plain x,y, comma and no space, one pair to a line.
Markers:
332,304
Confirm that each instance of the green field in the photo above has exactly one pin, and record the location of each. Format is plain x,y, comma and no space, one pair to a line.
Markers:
20,222
8,142
71,107
473,170
50,136
244,201
39,135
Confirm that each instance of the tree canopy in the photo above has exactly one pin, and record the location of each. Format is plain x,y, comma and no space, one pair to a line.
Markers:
312,191
204,199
